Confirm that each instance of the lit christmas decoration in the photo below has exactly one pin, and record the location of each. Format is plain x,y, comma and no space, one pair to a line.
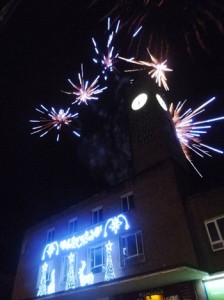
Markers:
189,130
115,223
70,279
85,92
108,57
79,241
50,249
54,120
109,269
85,279
51,286
158,69
42,290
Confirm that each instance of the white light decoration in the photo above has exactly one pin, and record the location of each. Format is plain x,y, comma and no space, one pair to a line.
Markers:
50,249
115,223
85,279
51,286
80,241
42,290
139,101
109,269
70,279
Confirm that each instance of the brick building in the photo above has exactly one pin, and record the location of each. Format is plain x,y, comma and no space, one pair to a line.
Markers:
151,236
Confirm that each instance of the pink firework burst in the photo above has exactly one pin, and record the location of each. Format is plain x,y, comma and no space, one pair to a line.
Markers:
189,130
156,69
51,119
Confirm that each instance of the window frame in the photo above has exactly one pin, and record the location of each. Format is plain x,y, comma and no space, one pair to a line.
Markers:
136,258
93,212
74,227
23,247
218,242
95,268
50,235
128,202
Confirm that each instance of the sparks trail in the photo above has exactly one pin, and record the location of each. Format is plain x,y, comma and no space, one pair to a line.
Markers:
189,130
157,70
85,92
54,120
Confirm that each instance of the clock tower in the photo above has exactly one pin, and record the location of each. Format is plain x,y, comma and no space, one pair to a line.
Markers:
153,135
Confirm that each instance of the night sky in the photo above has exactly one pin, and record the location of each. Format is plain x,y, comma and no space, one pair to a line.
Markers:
42,44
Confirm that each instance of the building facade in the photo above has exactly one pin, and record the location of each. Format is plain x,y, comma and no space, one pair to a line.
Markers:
149,237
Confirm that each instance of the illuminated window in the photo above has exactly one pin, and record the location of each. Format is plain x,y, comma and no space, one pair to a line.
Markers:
127,202
131,248
72,226
215,230
97,259
97,215
50,235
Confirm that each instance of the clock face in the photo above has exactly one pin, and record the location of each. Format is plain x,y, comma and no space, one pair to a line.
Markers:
139,101
161,102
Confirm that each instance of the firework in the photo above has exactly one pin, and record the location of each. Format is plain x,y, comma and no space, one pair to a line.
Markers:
51,119
108,57
85,92
157,69
189,130
167,23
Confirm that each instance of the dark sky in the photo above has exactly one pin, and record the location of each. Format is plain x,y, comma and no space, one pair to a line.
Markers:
42,44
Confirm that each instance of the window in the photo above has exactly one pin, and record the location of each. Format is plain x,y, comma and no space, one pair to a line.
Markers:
131,248
215,230
127,202
97,259
50,235
97,215
72,226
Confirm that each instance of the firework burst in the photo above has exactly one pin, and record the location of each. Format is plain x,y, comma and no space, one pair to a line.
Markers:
189,130
84,91
167,24
108,57
51,119
157,69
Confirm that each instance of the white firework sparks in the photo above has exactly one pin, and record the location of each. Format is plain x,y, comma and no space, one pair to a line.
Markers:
189,130
54,120
157,69
85,92
108,57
